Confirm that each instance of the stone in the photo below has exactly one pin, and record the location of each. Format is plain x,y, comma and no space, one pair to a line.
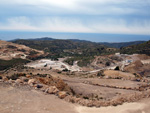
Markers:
11,81
62,94
5,78
28,76
39,85
18,81
31,82
24,79
52,90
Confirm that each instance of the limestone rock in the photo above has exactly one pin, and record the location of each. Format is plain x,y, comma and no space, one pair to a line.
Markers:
28,76
52,90
31,82
62,94
18,81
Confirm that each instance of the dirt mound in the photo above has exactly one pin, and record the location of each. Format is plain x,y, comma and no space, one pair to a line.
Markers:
138,68
117,74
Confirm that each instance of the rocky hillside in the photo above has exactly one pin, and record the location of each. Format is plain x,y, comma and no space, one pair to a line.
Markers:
82,51
9,50
14,54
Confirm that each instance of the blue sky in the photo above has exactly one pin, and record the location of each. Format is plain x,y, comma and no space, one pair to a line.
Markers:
77,16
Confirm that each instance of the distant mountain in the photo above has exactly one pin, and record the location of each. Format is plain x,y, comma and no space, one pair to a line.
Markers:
143,48
57,44
108,44
42,39
78,40
121,44
49,38
61,47
38,39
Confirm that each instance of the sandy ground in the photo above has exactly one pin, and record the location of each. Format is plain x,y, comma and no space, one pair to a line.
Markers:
140,107
24,100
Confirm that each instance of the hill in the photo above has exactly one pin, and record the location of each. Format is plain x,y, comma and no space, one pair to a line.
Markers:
69,47
42,39
121,44
9,50
143,48
83,51
14,54
108,44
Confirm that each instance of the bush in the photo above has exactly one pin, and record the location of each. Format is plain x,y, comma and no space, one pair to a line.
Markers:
107,64
100,74
59,72
117,68
65,70
85,97
5,64
13,77
16,76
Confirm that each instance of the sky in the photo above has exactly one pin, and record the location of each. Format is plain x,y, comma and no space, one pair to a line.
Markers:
76,16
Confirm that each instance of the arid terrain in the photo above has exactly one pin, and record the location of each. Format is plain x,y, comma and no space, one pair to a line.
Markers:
27,100
114,83
10,50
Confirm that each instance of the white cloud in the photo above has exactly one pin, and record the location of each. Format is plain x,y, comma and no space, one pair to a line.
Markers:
17,23
34,15
44,24
58,3
57,24
82,6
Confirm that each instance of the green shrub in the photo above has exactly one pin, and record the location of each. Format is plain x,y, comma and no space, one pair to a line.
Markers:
65,70
5,64
117,68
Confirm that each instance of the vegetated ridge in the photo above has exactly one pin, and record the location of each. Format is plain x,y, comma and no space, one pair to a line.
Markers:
82,51
143,48
121,44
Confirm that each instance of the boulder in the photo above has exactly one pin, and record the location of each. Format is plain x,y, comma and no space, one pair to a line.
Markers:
18,81
62,94
39,86
28,76
24,79
31,82
5,78
52,90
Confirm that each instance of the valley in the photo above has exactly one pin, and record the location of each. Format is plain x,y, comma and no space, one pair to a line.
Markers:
73,76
